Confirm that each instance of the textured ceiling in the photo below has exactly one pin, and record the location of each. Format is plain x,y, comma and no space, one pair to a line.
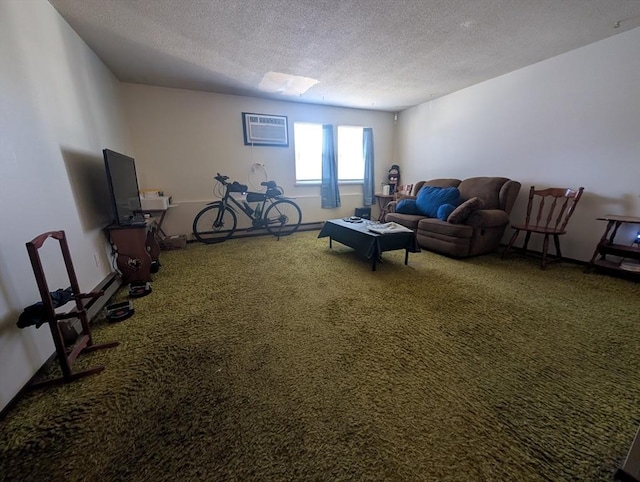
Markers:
371,54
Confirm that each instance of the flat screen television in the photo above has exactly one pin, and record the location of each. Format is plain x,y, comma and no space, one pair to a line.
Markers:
123,188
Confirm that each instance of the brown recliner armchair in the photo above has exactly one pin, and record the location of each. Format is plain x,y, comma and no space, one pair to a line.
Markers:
479,231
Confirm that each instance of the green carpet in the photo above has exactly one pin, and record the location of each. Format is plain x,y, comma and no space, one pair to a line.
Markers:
258,359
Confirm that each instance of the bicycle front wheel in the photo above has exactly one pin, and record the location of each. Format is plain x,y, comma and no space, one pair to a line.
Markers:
214,224
283,217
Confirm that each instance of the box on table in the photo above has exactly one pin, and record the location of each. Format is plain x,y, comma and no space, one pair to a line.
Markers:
160,203
177,241
151,193
364,213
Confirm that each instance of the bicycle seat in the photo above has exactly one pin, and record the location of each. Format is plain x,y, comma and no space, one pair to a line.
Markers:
268,184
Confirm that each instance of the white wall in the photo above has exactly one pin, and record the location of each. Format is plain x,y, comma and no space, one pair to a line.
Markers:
182,138
59,106
570,121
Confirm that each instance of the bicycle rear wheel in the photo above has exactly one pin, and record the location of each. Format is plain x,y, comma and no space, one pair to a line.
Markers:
283,217
209,226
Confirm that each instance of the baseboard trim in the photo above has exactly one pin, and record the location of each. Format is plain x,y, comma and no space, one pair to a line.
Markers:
532,253
109,285
252,232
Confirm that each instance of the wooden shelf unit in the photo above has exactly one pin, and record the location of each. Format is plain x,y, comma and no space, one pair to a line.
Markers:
607,246
66,354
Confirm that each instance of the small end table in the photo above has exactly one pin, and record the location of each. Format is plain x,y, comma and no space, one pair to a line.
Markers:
607,245
162,212
383,201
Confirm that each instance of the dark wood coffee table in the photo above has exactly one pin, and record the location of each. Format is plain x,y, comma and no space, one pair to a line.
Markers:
370,244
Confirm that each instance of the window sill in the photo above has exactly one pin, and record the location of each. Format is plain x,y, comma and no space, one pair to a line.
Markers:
319,183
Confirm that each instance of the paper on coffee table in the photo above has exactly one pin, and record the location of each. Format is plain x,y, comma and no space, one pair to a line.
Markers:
388,228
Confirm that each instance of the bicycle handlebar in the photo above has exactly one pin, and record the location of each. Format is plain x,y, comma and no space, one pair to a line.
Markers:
222,179
241,187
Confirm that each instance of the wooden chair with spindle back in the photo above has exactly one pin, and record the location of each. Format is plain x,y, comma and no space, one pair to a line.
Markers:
547,221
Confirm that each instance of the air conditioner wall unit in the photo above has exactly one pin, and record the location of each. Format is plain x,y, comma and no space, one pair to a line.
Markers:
265,130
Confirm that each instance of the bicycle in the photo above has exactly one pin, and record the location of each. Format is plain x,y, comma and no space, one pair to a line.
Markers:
217,222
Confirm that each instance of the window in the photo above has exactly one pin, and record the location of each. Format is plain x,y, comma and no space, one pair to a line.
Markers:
350,159
307,140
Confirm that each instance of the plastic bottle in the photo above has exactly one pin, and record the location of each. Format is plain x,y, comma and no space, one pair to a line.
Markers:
258,210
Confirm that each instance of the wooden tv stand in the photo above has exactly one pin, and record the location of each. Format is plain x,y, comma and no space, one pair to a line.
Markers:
137,250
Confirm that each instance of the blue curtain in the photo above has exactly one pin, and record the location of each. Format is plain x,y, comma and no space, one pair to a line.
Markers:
368,186
329,189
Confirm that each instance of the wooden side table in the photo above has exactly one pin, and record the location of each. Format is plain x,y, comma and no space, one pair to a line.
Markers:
383,201
607,246
155,212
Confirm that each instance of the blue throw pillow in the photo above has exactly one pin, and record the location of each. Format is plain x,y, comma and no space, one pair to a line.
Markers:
407,206
430,198
444,211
